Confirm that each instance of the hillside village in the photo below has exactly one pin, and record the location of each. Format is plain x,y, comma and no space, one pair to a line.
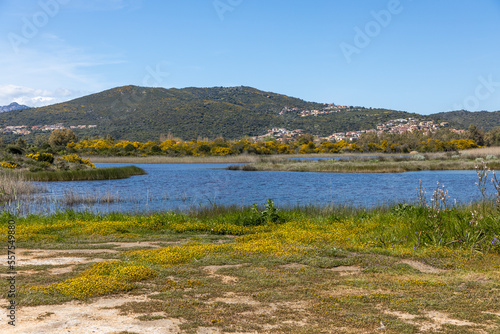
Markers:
26,130
398,126
328,109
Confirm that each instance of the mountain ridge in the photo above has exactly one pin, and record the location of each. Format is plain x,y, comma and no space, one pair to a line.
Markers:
145,113
13,106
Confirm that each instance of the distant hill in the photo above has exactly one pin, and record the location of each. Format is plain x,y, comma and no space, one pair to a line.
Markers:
462,119
140,113
13,106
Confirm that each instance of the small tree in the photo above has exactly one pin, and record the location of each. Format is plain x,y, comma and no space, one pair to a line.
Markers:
62,137
476,134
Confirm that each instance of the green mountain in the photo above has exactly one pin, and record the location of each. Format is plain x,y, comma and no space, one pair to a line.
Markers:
461,119
140,113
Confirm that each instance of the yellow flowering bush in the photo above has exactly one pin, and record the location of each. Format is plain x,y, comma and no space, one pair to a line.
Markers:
42,157
101,279
97,144
221,150
75,158
177,254
5,164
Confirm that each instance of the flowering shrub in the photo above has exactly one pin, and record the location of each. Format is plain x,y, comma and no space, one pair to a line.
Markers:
48,157
177,254
221,150
8,165
75,158
101,279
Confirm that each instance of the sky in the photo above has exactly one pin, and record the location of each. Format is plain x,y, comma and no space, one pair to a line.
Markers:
423,56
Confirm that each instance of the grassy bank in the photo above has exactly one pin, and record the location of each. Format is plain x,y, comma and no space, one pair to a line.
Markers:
398,269
242,158
380,164
161,159
78,175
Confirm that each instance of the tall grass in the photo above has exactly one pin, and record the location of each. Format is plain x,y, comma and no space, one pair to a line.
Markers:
365,165
13,186
71,197
160,159
85,175
493,150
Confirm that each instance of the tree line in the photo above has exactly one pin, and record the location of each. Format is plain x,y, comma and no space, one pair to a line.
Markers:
444,140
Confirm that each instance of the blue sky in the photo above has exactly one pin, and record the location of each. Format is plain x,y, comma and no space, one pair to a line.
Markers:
423,56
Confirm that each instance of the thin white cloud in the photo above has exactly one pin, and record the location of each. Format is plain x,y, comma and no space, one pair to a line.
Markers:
33,97
52,72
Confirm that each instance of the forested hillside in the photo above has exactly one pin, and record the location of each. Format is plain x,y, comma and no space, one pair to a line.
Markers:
139,113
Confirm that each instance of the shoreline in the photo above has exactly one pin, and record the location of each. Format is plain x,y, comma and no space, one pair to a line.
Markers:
243,158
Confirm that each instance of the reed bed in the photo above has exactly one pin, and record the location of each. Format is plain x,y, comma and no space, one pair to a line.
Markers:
72,197
159,159
487,150
13,186
371,165
85,175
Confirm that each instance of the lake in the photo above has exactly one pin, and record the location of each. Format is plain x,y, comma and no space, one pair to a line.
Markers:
183,186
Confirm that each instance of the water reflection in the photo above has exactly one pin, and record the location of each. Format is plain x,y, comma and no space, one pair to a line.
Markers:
183,186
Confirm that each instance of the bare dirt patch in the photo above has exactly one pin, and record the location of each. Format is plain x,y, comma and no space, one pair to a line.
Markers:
225,279
423,268
233,298
61,270
52,257
57,261
438,319
294,266
152,244
99,316
259,307
342,290
346,270
478,278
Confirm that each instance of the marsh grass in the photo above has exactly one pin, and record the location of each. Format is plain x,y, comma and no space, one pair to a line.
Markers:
159,159
71,197
383,164
482,151
84,175
13,187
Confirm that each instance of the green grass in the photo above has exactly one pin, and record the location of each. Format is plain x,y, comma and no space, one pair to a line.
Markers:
334,269
84,174
381,164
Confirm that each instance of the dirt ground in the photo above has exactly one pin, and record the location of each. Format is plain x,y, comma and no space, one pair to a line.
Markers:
102,315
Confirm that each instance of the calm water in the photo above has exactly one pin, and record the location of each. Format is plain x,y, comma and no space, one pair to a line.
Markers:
182,186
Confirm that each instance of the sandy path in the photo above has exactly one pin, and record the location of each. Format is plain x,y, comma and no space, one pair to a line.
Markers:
100,316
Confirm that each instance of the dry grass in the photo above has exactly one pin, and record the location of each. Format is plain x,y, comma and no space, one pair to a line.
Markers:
12,186
71,197
159,159
243,158
379,165
493,150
